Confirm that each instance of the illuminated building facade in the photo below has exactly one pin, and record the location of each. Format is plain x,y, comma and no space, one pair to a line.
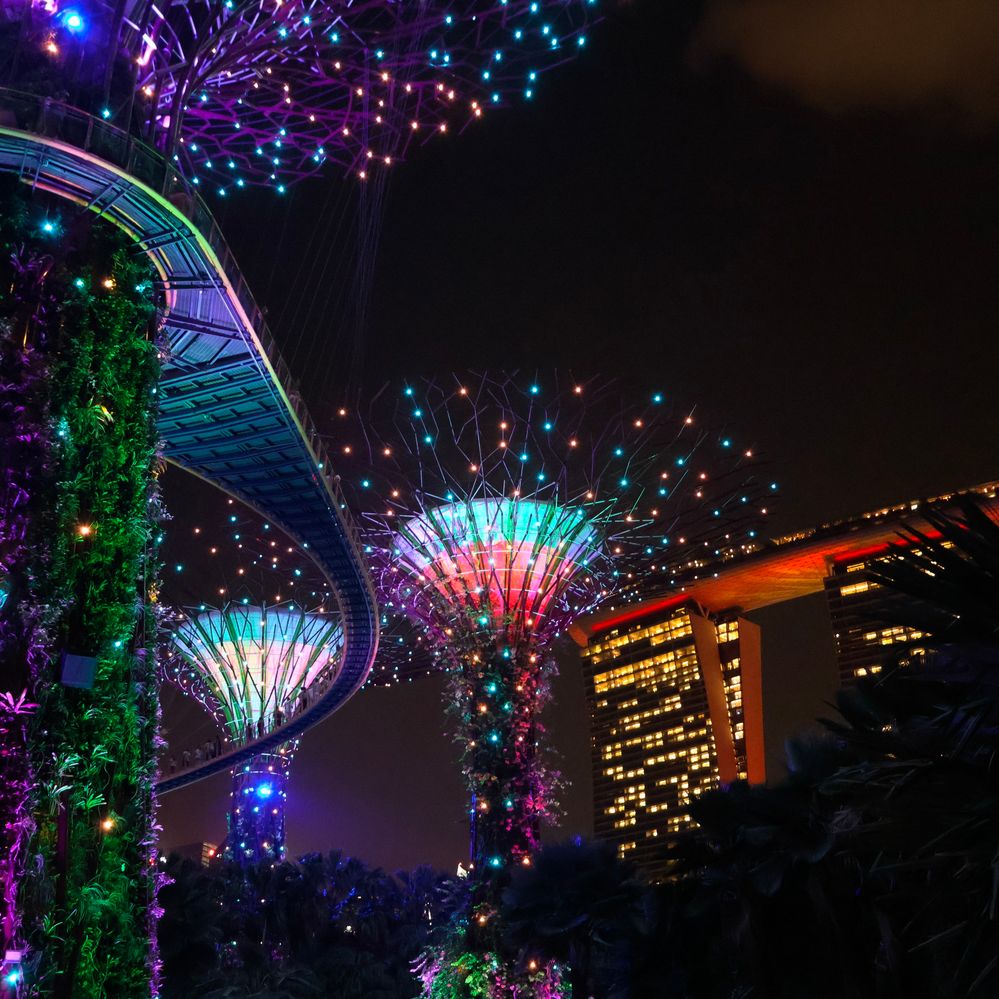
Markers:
862,612
201,853
676,709
674,684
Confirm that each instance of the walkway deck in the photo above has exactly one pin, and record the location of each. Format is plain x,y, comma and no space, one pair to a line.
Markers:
229,411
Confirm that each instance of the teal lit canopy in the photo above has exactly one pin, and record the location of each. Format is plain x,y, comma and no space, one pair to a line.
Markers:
506,559
251,664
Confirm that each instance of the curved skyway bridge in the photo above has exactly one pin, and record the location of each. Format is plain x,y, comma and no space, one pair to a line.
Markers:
229,412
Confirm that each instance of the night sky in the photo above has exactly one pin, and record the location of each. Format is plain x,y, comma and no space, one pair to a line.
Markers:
783,210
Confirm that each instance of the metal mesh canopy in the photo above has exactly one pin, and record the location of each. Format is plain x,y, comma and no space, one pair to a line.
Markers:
503,560
250,665
509,504
245,92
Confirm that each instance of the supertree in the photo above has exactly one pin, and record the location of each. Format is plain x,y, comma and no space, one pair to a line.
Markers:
267,91
253,668
497,510
232,93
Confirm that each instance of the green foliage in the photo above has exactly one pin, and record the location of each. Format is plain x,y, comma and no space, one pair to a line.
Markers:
325,926
579,905
77,314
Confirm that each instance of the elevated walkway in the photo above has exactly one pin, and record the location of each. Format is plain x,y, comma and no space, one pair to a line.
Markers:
229,412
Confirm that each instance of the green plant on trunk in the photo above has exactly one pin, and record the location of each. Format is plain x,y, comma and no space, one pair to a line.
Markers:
79,333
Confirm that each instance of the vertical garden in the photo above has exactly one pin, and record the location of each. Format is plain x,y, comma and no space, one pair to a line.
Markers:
79,512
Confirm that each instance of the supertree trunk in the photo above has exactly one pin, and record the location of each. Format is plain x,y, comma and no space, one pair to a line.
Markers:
256,812
78,623
498,696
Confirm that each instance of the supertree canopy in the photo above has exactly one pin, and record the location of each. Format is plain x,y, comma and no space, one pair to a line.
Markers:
267,91
498,509
253,668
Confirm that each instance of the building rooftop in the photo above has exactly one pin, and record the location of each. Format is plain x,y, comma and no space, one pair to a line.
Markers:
787,567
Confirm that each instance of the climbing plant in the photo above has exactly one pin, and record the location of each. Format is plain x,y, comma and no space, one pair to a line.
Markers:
79,509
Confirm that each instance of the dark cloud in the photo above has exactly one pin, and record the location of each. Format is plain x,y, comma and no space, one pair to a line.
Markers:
855,54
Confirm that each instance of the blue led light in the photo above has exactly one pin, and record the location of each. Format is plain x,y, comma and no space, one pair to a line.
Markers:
72,20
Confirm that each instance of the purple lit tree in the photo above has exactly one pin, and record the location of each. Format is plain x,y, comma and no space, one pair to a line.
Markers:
500,509
15,807
253,668
268,91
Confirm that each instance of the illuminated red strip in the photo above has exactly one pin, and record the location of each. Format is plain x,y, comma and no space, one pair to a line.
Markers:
640,612
899,542
863,553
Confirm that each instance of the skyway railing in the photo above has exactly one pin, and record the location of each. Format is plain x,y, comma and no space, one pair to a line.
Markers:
57,120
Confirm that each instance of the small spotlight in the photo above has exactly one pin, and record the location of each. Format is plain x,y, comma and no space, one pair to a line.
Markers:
73,21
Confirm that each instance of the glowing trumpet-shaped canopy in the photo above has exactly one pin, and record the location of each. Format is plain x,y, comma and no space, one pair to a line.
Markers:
247,663
503,560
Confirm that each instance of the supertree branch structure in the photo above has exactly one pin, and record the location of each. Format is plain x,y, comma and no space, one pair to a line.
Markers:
498,510
268,91
253,668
